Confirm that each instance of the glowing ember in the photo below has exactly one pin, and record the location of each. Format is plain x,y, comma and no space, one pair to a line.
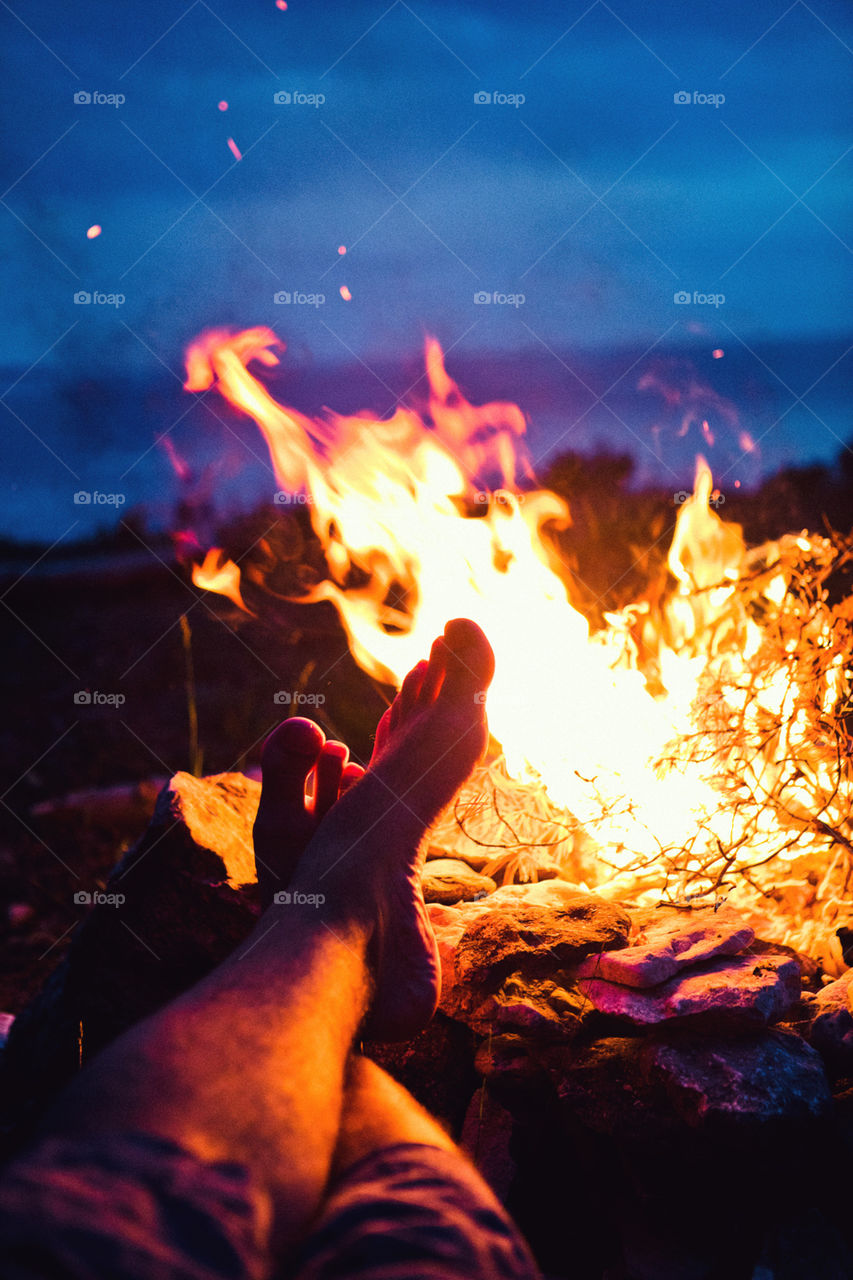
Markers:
223,105
281,4
93,232
718,353
234,149
345,293
696,749
342,249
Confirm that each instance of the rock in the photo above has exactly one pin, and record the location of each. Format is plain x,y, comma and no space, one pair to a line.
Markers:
766,1077
449,924
646,1091
447,881
189,884
727,993
540,1008
124,806
671,941
530,929
515,934
178,902
831,1031
602,1086
206,824
506,1060
473,858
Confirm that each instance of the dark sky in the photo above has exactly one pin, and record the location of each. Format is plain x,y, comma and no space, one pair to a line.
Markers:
597,199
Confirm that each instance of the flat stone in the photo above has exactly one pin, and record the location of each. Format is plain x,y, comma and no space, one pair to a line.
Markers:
669,942
728,992
765,1077
447,881
536,940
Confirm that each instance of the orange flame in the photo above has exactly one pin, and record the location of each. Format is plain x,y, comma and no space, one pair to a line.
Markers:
412,536
217,573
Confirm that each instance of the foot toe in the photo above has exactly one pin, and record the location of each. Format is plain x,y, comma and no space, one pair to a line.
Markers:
411,688
330,767
469,663
282,825
289,754
350,775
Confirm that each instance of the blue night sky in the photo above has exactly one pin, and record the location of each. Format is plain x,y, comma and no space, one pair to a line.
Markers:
597,199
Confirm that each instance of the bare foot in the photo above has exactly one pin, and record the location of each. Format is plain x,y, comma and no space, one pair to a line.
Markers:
294,753
366,856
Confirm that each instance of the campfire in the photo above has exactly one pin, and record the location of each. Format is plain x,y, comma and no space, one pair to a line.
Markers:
639,897
695,751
